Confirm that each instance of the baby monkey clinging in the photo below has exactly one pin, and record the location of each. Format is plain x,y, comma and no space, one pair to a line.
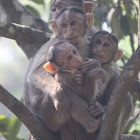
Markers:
67,96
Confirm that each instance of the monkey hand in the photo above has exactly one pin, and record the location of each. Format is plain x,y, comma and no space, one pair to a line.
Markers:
62,103
79,77
98,73
95,109
90,64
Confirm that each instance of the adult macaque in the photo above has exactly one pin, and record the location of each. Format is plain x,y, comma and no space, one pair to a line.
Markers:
58,5
63,61
104,47
39,83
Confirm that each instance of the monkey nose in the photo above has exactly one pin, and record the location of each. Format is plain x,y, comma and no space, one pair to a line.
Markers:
70,33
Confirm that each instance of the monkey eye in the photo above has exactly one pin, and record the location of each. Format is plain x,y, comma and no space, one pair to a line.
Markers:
74,52
69,57
73,23
98,41
64,25
106,45
53,9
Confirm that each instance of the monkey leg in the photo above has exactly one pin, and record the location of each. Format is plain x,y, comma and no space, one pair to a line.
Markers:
79,112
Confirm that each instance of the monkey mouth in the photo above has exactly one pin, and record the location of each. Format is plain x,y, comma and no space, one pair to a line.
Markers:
72,38
97,56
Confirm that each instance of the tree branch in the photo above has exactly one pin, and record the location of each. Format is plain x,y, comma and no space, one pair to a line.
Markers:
139,26
13,11
125,81
16,13
25,35
129,137
27,117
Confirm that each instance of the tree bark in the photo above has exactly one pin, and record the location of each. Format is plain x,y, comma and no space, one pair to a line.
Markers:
25,35
16,13
129,137
13,11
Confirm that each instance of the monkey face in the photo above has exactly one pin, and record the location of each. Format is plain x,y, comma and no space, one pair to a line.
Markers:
71,26
67,57
103,49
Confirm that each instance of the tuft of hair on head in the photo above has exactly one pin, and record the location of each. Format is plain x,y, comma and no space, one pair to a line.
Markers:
73,9
53,50
78,3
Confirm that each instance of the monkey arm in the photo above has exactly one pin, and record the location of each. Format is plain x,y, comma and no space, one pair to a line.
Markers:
90,64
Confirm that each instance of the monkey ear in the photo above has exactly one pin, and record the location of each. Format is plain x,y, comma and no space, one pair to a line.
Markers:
118,55
51,67
53,26
88,7
89,20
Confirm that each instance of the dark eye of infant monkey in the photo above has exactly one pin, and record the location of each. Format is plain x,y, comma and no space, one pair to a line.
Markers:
103,47
57,5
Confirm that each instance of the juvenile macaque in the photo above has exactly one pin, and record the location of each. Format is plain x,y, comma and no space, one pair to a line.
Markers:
71,24
68,96
104,47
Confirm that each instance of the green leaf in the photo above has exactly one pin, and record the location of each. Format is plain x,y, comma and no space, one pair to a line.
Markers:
4,122
33,10
125,25
13,128
39,1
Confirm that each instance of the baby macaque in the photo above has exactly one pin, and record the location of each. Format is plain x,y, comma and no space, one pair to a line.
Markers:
104,47
67,96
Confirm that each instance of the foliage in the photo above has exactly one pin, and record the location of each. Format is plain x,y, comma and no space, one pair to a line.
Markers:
10,128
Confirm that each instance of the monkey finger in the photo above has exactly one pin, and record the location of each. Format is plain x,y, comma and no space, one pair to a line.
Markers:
78,80
89,64
78,77
93,102
92,108
97,114
104,77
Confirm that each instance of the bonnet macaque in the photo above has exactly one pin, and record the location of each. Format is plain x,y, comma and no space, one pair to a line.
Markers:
38,82
63,98
63,60
104,47
71,24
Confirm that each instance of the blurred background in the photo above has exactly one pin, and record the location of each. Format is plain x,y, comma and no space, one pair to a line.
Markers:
117,16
